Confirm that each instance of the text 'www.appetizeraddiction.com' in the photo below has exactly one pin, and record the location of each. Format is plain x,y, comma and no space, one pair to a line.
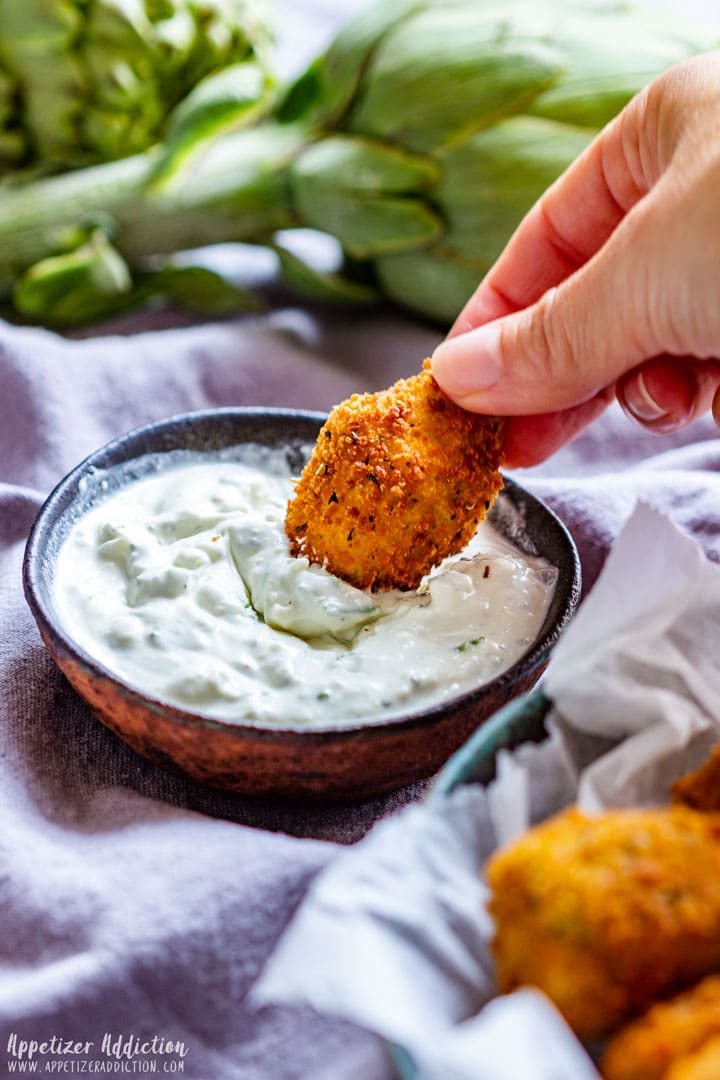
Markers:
112,1054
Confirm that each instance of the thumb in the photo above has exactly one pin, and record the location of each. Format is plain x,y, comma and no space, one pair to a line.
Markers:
577,339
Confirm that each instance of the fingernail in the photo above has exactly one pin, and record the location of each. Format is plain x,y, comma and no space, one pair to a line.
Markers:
639,402
468,363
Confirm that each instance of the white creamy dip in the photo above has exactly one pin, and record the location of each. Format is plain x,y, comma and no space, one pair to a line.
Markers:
182,585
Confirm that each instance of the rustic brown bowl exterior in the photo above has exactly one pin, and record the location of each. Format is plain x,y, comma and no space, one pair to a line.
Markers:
329,763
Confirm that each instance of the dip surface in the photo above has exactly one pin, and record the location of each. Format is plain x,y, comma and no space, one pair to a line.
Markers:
181,584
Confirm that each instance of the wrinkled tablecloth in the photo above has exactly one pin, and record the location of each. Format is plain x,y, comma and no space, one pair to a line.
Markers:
133,903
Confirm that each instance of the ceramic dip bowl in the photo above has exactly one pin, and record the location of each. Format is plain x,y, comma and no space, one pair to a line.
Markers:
335,760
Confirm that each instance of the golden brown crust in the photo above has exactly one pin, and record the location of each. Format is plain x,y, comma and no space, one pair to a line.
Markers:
704,1064
606,914
700,789
670,1030
397,481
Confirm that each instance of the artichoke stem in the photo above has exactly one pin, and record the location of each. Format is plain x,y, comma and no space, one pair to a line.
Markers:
237,191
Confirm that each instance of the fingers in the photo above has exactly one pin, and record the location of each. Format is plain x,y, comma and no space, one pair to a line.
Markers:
664,395
529,440
667,393
569,224
577,339
616,264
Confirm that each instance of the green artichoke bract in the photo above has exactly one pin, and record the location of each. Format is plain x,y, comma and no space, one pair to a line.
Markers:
497,99
419,140
93,80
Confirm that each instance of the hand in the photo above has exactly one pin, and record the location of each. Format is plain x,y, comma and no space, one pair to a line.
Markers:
610,285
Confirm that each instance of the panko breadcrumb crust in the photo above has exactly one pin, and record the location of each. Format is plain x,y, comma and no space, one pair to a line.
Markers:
704,1064
666,1035
606,914
397,481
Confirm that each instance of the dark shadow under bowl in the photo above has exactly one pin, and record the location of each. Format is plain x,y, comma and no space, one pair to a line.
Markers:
327,762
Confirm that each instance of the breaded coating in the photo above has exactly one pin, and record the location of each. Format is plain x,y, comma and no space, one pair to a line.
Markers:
704,1064
700,789
606,914
667,1033
397,481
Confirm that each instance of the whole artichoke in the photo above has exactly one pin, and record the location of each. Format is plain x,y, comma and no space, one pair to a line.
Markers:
455,117
419,140
83,81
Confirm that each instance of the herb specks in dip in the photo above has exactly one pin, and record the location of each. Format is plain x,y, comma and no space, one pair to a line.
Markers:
181,584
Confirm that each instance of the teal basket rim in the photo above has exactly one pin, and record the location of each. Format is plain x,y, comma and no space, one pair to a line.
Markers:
520,721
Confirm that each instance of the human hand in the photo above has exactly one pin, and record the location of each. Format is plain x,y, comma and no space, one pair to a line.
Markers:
610,285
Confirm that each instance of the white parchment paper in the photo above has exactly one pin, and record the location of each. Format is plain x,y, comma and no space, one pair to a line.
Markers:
394,935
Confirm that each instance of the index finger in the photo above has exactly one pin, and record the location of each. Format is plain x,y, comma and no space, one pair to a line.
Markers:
568,224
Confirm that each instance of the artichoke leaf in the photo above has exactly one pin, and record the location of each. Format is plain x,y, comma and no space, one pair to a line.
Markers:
491,180
31,28
302,97
93,282
12,148
119,26
8,98
12,140
370,226
321,285
222,102
437,282
176,34
362,166
442,75
160,9
107,129
198,289
361,191
97,80
339,73
605,67
336,75
51,98
77,286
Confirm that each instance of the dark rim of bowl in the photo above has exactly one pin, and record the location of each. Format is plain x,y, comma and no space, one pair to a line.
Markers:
163,435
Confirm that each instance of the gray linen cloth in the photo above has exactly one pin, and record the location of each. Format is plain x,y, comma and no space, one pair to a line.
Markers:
122,908
133,902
